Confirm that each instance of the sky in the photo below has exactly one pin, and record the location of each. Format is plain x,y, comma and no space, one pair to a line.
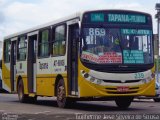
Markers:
18,15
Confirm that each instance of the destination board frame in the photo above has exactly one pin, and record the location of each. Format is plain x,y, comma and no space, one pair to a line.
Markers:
88,17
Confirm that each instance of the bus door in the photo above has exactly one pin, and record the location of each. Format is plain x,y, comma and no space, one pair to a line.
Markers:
31,61
13,64
72,60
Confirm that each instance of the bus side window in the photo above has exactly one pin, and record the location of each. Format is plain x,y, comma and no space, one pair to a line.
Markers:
43,44
59,40
22,48
7,50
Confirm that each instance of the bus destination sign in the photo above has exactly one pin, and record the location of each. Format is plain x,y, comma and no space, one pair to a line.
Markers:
118,18
126,18
136,31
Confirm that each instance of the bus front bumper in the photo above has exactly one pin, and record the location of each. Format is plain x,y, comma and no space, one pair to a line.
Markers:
111,91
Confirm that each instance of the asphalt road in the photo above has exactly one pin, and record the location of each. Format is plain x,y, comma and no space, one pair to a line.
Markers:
46,109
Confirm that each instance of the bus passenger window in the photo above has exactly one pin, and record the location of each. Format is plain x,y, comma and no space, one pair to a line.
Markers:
59,43
44,44
22,48
7,48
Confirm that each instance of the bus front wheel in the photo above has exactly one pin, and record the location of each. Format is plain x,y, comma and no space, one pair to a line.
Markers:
22,97
156,99
123,102
61,94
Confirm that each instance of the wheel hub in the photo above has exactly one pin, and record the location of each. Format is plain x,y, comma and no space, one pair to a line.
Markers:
61,93
20,92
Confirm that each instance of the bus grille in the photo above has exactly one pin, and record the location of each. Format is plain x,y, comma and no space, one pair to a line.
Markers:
119,81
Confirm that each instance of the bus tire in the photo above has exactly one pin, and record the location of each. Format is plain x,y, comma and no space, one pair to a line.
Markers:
123,102
156,99
22,97
61,94
32,99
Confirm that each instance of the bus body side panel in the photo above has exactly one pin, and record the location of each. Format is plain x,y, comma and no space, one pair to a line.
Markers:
47,71
45,85
45,79
6,83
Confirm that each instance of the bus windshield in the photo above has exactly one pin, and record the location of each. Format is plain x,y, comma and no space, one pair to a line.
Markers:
116,45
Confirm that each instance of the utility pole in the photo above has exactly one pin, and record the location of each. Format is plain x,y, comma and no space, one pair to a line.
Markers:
157,16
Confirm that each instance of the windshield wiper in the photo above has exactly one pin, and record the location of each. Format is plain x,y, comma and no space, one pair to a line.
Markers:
128,49
120,43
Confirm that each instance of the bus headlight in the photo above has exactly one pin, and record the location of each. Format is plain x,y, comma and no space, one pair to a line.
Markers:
147,80
90,78
86,75
99,81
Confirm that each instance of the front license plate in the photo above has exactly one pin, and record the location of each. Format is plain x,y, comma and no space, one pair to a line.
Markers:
123,89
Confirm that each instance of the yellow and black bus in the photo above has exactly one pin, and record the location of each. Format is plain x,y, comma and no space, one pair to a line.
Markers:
92,55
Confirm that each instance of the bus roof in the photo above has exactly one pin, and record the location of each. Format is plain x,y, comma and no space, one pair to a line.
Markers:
76,15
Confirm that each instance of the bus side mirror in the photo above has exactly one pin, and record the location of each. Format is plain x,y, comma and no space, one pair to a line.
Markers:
0,64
